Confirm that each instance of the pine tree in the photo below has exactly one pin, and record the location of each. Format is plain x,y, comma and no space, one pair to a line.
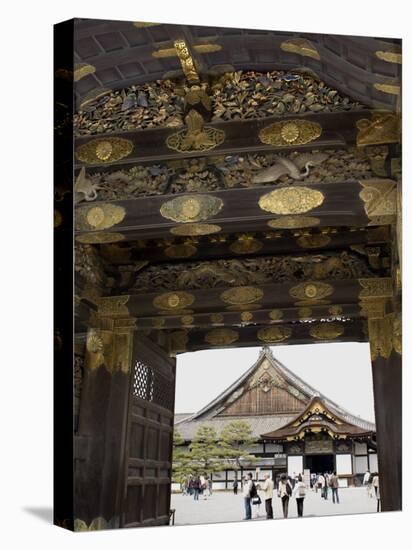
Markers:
233,439
206,453
181,458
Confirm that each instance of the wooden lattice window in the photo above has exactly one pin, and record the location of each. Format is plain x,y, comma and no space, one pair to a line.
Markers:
150,385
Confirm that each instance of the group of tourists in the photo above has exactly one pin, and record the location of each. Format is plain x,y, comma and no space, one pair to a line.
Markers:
324,482
285,490
196,486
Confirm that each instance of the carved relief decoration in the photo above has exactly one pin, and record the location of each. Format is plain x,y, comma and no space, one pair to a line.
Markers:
291,200
384,337
294,222
99,217
193,208
274,334
197,136
313,241
171,301
105,150
195,229
221,337
326,331
381,128
99,238
242,272
241,295
380,198
312,292
376,288
246,244
113,306
300,46
205,174
290,132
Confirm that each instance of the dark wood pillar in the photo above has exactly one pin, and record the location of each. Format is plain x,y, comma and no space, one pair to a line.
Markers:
387,387
100,443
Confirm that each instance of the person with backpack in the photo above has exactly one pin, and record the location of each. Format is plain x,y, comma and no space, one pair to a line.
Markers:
284,493
299,492
334,485
249,492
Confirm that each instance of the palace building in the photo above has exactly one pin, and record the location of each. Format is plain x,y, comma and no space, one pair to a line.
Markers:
296,428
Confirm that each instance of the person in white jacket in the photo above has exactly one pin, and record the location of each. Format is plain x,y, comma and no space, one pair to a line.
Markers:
299,492
268,495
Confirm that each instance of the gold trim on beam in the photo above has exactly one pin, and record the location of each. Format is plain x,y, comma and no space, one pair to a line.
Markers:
380,198
291,200
105,150
393,89
81,70
300,46
380,129
290,132
389,57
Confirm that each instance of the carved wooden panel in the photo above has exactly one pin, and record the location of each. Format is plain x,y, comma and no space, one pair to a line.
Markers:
258,401
146,498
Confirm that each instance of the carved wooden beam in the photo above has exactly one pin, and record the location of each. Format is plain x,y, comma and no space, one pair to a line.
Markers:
245,244
351,203
288,132
244,298
190,340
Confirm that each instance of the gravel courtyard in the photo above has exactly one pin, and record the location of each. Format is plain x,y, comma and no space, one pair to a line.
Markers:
226,507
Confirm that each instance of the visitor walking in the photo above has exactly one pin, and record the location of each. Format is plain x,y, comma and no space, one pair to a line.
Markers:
375,484
334,485
235,487
299,492
320,485
367,481
249,490
196,488
268,495
284,493
326,486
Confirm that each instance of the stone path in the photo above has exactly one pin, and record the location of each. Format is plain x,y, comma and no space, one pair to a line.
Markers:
226,507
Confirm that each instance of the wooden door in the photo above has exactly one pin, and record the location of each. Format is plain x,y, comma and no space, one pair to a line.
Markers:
148,460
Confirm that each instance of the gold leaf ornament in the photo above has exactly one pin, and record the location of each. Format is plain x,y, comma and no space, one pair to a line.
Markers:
241,295
193,208
294,222
99,238
195,229
311,291
274,334
290,132
300,46
171,301
221,337
326,331
104,150
291,200
196,137
99,217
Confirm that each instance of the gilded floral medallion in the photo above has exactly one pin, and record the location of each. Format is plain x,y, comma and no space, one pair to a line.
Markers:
241,295
291,200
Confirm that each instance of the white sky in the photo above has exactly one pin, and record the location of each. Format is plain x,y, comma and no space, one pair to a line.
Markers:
341,371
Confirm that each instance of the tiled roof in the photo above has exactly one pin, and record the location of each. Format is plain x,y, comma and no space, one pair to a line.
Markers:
207,415
258,424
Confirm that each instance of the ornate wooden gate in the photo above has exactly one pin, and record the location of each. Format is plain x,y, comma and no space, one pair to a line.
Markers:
148,464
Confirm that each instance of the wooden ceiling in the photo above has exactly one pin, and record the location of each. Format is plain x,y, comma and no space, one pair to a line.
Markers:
240,228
